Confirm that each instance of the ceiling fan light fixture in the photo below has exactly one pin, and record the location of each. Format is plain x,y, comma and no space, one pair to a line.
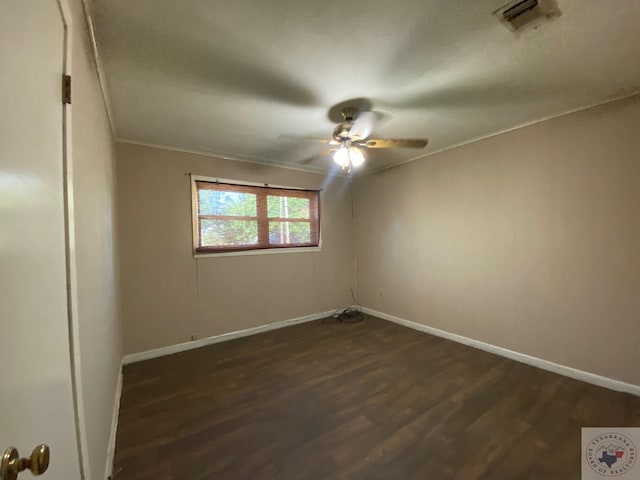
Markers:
341,157
352,137
356,156
348,157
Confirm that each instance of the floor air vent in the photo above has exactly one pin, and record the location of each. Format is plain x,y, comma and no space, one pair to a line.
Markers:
524,14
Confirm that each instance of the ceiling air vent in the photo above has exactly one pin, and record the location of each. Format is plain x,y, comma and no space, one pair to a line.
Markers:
520,14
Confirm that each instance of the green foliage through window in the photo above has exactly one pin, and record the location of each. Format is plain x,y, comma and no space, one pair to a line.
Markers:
229,232
212,202
287,207
239,217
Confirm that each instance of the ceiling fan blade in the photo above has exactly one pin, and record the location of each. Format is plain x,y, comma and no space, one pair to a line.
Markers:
317,156
363,124
302,138
395,143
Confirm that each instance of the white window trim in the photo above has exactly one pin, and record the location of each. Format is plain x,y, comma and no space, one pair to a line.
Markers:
261,251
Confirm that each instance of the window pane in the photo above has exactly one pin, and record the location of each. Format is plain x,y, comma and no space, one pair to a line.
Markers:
287,207
282,233
214,202
228,233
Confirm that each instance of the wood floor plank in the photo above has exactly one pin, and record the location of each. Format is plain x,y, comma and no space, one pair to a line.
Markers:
371,400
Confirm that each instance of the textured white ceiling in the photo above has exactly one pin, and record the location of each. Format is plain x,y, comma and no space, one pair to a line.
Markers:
230,77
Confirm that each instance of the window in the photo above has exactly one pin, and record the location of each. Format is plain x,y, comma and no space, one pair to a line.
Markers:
233,217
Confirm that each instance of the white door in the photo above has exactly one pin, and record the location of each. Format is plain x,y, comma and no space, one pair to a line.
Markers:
36,398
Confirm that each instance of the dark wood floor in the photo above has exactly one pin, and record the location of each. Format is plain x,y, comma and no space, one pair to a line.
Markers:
372,400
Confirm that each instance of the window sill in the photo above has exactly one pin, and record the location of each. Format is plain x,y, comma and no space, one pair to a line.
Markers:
265,251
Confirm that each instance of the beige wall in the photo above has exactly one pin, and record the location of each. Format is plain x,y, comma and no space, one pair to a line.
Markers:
168,296
93,162
529,240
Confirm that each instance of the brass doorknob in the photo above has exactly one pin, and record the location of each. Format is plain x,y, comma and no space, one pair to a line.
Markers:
11,464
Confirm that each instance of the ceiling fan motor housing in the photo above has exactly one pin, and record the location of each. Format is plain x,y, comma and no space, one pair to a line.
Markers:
343,132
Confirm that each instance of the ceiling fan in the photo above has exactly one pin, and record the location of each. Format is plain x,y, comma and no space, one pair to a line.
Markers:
351,139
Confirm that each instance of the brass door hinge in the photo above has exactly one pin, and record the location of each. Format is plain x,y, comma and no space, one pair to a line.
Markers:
66,89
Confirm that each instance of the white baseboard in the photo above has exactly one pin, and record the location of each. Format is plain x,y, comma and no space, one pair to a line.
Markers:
181,347
518,357
114,426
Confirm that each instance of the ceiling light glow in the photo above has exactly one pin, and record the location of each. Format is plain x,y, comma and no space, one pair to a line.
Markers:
346,157
356,156
341,157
